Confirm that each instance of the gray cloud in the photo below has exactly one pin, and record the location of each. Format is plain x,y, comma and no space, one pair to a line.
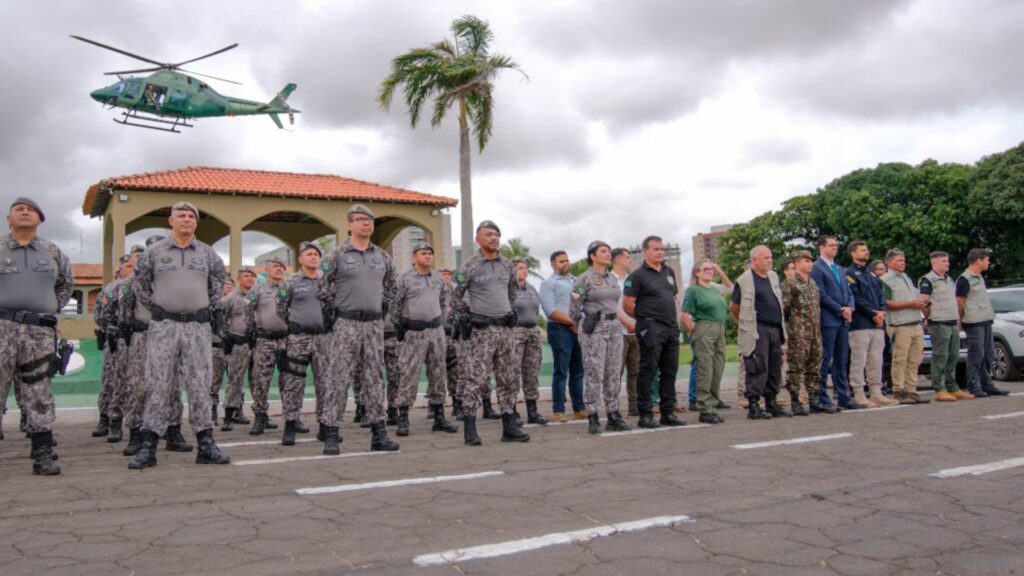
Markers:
773,150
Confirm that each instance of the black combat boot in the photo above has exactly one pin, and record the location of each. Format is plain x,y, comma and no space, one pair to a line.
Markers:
288,438
134,442
991,390
331,441
146,456
259,424
42,454
510,432
175,441
403,421
23,423
594,426
392,416
469,431
796,406
381,442
647,421
268,423
300,427
239,417
670,419
213,413
115,434
519,419
754,410
208,453
440,423
818,408
774,409
360,413
457,409
229,420
616,423
489,413
321,433
102,427
709,418
532,415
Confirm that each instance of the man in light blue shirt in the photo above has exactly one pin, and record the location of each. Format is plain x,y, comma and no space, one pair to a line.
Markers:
555,296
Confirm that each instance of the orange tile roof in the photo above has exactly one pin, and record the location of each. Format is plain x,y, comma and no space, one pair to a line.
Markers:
87,273
255,183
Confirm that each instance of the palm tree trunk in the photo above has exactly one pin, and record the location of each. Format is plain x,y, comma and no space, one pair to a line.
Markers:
465,185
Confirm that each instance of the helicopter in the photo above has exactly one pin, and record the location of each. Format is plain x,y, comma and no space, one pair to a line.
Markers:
171,97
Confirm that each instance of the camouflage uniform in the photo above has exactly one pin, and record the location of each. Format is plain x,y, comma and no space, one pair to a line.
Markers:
527,339
111,323
178,352
392,366
491,287
105,307
239,362
219,360
419,304
271,334
35,278
800,300
356,283
305,328
451,355
597,295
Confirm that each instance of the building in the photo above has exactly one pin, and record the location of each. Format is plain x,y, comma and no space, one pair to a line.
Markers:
705,244
283,252
673,260
88,283
289,206
402,245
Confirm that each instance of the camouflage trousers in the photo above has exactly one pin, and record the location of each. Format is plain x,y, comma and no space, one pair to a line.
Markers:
20,345
239,364
351,350
490,350
300,352
451,361
419,347
108,373
177,354
803,359
135,401
119,392
392,367
264,361
220,365
602,366
528,359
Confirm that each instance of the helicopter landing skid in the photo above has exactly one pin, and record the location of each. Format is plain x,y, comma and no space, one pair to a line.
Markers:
134,118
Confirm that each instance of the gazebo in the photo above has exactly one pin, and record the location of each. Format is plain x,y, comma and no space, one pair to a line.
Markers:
292,207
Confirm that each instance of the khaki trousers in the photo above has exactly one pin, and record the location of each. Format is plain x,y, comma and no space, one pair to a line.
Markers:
907,353
866,348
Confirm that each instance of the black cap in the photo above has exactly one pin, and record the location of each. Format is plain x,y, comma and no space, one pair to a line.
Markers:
31,204
488,224
423,246
153,240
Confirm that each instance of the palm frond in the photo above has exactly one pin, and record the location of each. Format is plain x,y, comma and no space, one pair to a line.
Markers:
473,35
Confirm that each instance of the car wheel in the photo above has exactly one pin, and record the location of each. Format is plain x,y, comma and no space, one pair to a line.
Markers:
1002,365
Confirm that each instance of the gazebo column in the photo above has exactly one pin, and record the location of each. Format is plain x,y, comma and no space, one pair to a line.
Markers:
108,241
235,250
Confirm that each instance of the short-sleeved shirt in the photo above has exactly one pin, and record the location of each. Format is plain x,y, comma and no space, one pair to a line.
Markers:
704,303
765,303
655,293
963,287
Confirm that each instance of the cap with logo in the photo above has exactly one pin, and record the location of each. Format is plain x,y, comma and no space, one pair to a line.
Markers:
31,204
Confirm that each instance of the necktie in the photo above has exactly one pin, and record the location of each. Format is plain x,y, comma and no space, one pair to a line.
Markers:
835,271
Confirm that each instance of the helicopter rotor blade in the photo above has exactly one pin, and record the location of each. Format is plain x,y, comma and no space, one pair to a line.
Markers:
214,53
209,76
118,50
139,71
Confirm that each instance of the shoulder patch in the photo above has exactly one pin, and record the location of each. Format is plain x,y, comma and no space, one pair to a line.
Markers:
628,283
325,266
460,278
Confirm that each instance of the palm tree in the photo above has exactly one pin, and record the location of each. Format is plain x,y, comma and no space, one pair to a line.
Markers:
457,71
516,250
578,267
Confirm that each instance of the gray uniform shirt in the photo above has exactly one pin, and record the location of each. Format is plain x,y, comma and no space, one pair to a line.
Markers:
35,277
234,313
594,293
178,280
419,297
297,302
355,280
263,308
490,284
526,305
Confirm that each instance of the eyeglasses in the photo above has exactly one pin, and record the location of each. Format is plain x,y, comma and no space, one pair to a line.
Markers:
707,269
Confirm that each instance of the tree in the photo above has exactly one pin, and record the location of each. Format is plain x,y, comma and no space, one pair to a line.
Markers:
578,267
996,203
457,71
516,250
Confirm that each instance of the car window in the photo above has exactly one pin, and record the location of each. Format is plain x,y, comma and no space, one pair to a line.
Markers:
1007,301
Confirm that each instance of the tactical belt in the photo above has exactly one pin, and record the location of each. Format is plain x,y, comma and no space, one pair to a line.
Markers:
420,325
139,326
487,321
300,330
200,316
29,318
359,315
610,316
236,339
526,325
918,323
271,335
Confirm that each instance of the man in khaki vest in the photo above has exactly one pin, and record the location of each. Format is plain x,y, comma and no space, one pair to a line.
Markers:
903,307
976,315
757,308
939,290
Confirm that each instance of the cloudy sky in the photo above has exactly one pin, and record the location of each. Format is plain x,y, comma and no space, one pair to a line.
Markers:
638,117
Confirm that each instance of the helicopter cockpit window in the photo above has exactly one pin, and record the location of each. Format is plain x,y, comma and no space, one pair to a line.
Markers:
119,88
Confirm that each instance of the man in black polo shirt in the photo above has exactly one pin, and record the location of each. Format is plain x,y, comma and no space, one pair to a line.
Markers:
649,296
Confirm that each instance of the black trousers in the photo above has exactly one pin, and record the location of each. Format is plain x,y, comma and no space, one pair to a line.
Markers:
659,354
764,366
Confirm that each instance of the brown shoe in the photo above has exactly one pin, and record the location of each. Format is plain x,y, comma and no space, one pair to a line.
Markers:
961,395
918,399
944,396
581,415
558,417
903,397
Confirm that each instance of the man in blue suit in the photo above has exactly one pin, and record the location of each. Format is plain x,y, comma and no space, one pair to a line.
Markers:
836,314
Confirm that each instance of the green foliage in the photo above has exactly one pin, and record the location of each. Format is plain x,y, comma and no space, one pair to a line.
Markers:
918,209
579,267
514,249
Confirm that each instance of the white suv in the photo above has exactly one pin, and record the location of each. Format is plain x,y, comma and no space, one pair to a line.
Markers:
1008,332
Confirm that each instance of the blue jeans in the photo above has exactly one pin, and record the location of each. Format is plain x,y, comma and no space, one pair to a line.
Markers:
568,359
692,393
835,344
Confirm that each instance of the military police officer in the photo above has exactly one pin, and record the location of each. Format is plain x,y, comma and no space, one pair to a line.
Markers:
35,283
358,280
219,358
267,333
117,346
237,350
106,340
527,337
178,279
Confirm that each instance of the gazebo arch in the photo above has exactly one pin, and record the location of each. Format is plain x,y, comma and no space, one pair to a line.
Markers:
286,205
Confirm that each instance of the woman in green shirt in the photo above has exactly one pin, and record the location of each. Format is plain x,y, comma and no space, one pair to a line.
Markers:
704,313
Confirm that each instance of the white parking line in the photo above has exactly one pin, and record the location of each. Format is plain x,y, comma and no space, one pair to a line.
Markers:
979,469
1016,393
393,483
549,424
536,543
803,440
305,458
876,409
263,443
1001,416
646,430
